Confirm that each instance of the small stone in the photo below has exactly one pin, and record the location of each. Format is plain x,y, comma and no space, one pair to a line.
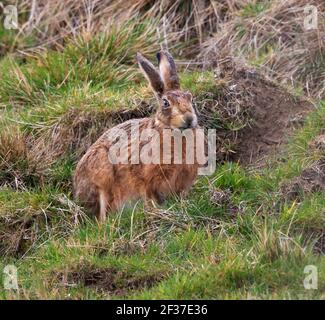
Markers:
219,196
318,143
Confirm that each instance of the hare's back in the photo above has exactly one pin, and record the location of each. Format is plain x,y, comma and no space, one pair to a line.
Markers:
124,130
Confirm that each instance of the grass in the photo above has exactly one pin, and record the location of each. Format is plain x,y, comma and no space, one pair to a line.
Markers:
254,8
105,60
270,35
199,249
235,236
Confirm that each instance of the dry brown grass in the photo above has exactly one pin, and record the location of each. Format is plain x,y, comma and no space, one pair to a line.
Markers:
272,37
276,40
17,163
52,21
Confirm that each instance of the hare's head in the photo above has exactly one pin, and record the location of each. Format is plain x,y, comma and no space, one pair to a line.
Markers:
175,106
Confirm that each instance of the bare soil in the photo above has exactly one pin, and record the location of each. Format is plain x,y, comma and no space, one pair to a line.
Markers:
110,279
272,112
312,179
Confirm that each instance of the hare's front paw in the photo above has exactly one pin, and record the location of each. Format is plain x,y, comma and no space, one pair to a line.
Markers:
155,197
159,197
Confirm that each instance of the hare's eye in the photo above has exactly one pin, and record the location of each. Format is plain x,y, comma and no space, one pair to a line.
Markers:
165,103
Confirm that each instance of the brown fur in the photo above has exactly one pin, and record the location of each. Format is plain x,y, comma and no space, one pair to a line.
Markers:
101,186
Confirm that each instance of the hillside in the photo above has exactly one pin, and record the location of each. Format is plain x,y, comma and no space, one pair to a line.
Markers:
247,231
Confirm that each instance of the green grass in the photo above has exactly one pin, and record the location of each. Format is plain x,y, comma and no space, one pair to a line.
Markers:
253,246
254,8
100,61
201,251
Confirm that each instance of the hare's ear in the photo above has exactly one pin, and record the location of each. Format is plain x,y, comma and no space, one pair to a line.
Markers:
151,73
167,70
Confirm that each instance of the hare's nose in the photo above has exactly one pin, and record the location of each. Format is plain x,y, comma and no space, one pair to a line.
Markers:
188,121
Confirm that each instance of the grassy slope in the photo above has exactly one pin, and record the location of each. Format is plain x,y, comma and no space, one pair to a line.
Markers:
254,246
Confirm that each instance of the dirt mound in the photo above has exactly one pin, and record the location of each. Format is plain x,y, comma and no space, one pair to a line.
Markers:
110,280
312,179
256,115
275,113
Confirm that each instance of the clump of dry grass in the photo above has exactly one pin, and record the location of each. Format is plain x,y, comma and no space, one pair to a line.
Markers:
17,164
318,143
272,244
34,218
51,22
275,39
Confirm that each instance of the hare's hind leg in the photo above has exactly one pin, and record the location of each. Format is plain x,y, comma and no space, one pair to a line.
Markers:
103,206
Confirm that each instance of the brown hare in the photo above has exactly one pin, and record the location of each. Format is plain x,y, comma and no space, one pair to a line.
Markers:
101,185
